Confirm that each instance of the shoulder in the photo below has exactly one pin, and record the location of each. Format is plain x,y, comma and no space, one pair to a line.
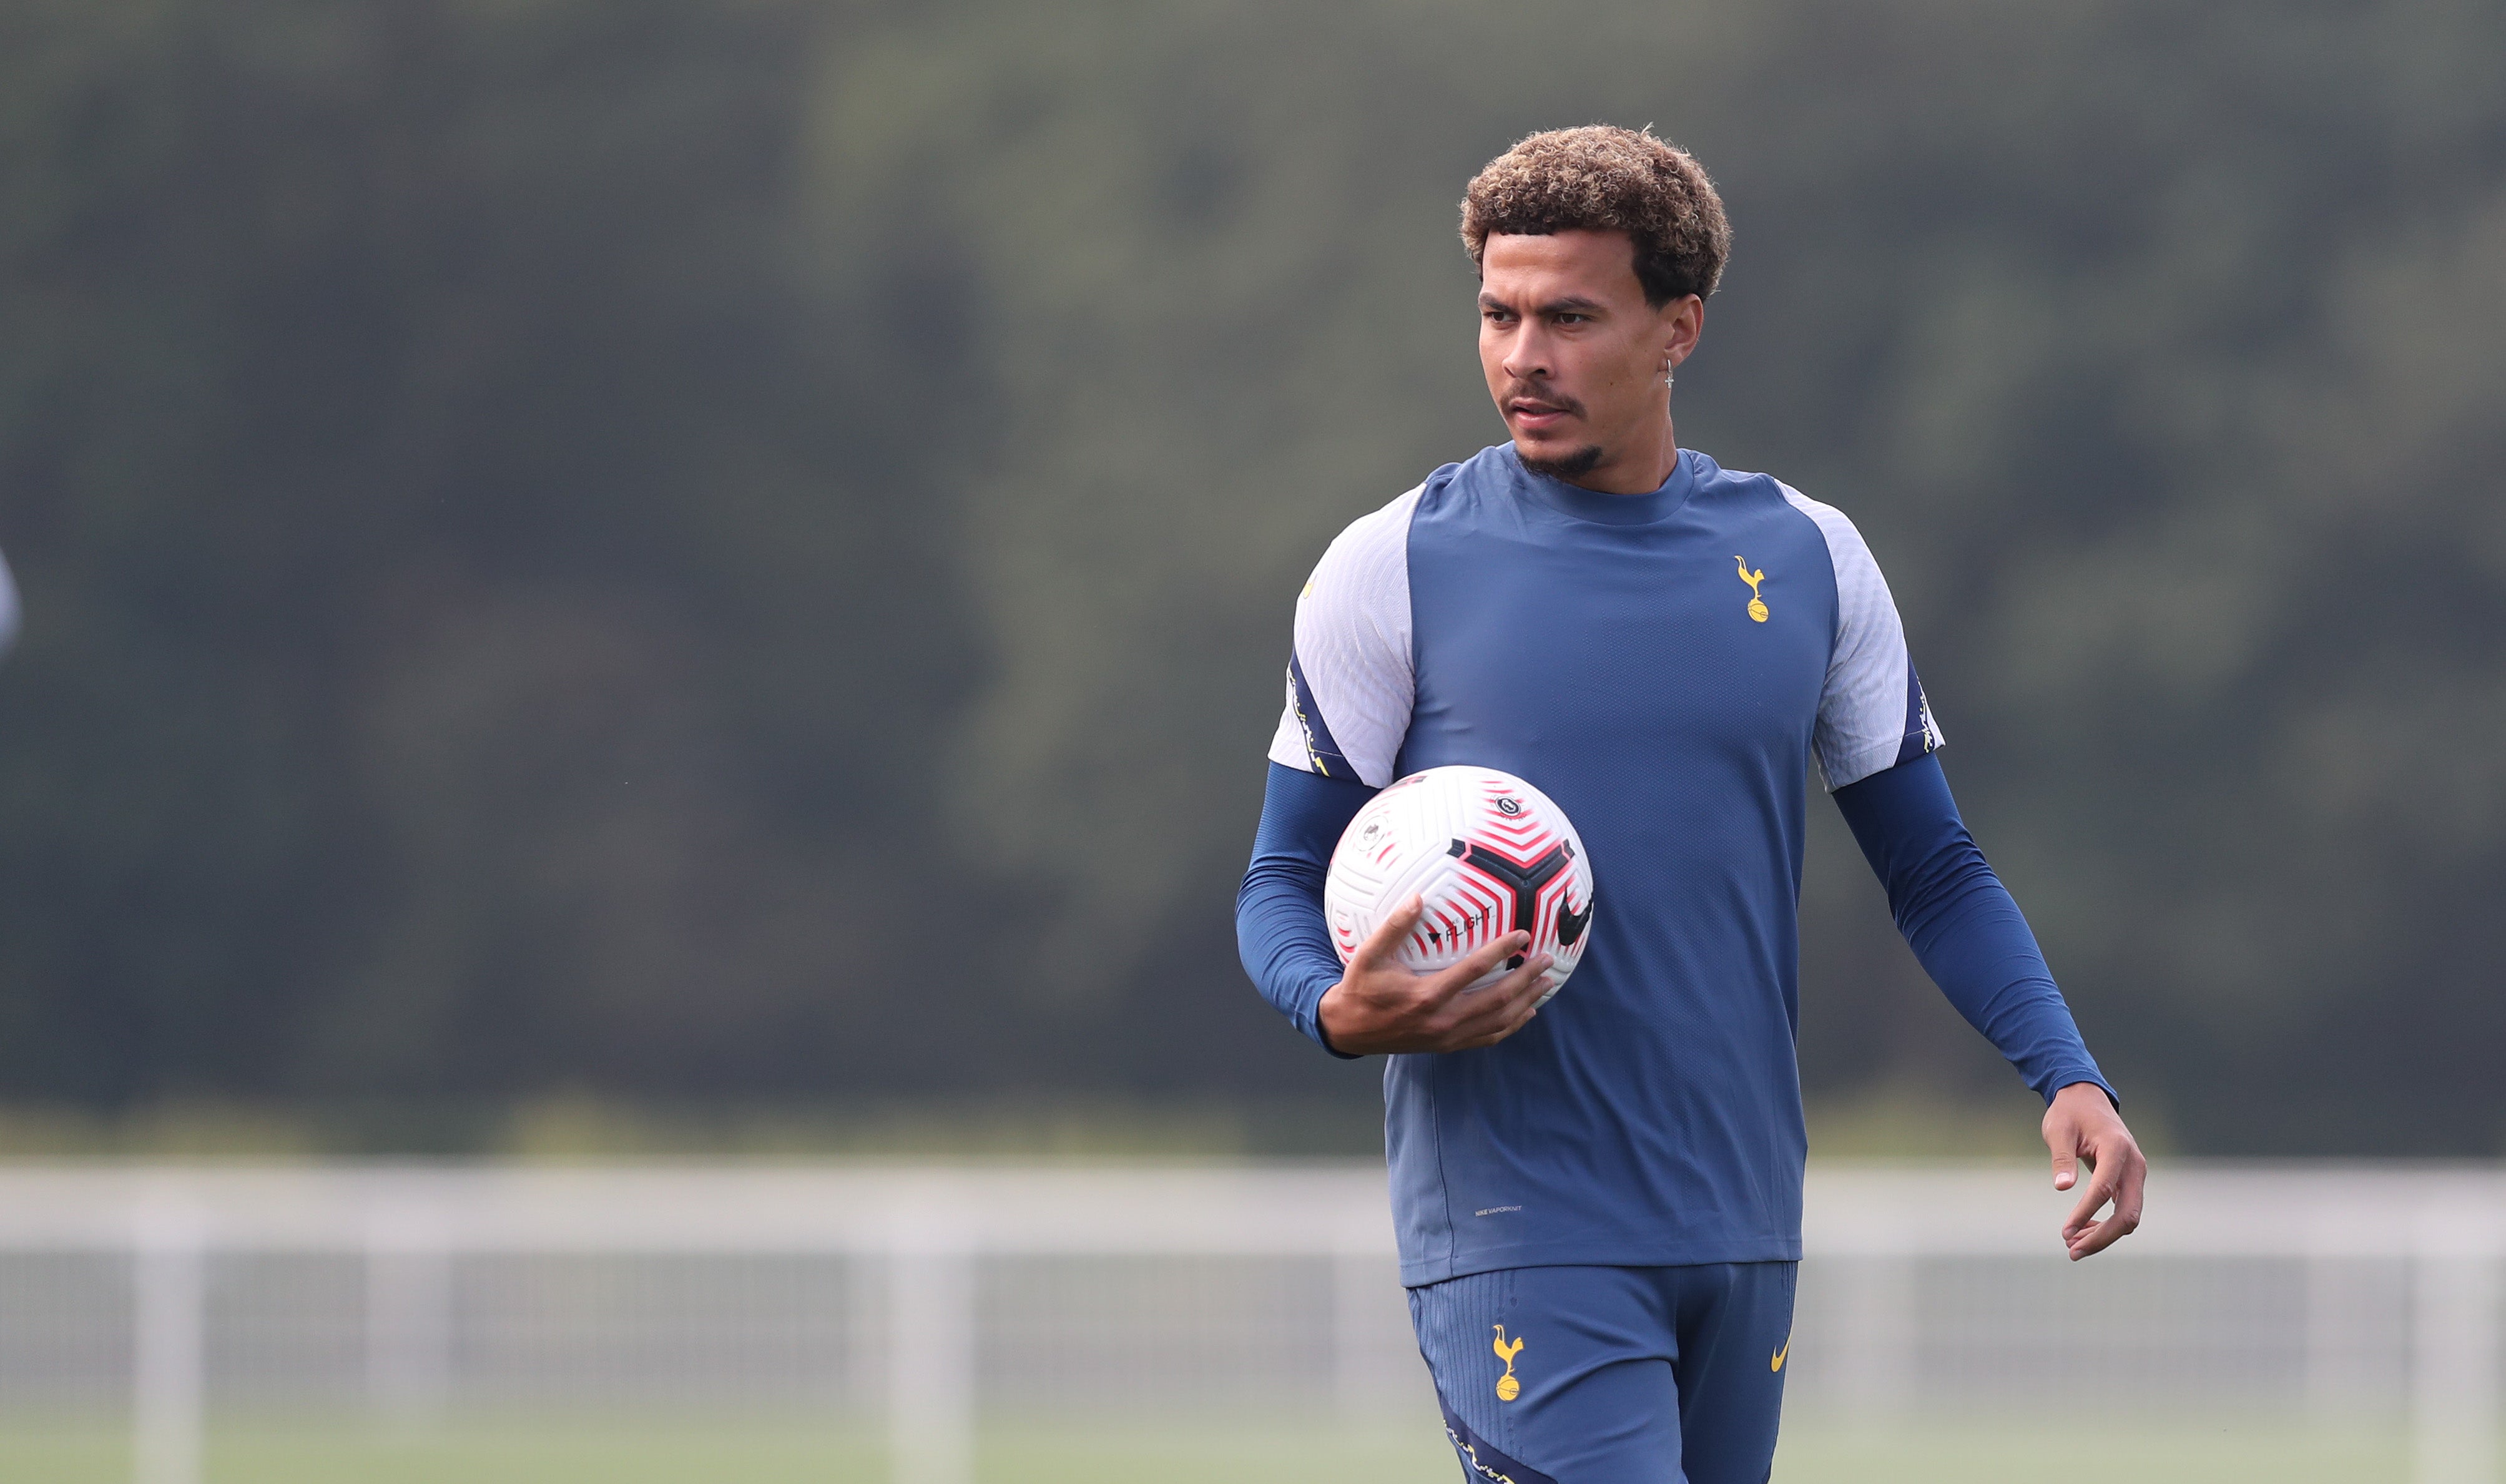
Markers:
1863,602
1349,682
1862,596
1380,536
1763,499
1360,588
1764,495
1848,553
1845,547
1371,556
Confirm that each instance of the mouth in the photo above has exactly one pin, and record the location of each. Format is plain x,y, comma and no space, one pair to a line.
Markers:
1532,415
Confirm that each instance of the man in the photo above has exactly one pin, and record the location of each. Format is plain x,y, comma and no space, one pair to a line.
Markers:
1600,1207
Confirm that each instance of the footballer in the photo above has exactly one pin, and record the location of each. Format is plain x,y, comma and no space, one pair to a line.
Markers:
1598,1205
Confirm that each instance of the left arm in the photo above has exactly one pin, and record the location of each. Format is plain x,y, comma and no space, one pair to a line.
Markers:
1972,939
1876,738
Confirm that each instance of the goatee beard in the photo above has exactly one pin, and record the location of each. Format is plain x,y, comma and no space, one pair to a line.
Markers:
1570,466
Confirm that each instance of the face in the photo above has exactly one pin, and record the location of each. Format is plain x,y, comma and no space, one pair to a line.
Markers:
1576,359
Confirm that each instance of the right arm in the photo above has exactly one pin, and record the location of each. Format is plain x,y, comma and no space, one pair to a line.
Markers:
1349,689
1279,931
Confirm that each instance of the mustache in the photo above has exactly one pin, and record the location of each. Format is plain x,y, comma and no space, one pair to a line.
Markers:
1548,396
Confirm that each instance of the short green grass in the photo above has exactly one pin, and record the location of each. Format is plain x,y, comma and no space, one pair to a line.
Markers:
620,1451
760,1452
2089,1444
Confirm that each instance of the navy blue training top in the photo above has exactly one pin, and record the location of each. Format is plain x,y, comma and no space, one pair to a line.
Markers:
1667,668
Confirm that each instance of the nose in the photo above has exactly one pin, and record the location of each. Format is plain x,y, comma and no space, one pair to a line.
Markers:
1526,356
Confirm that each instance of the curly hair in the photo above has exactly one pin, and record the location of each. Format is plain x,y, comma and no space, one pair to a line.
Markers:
1604,178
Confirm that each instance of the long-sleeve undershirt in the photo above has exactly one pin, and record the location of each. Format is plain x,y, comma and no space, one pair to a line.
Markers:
1955,913
1279,929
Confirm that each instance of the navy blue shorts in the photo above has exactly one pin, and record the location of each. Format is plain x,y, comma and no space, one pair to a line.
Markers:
1671,1375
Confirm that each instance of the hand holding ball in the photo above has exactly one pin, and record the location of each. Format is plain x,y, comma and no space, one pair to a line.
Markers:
1502,885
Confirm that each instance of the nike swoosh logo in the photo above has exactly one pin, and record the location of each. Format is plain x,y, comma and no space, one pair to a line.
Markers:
1571,925
1778,1362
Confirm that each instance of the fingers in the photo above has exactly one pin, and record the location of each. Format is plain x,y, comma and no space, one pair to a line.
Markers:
1381,950
2083,1217
1383,945
2129,1190
2062,1131
1470,970
2121,1175
1488,1016
1382,1005
2096,1238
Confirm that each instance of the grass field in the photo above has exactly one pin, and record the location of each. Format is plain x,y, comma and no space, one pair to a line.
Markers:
616,1452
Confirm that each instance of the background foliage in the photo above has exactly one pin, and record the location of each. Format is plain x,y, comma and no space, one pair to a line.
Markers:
742,552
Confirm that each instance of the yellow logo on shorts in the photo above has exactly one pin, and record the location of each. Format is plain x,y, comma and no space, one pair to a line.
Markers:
1778,1363
1757,603
1507,1388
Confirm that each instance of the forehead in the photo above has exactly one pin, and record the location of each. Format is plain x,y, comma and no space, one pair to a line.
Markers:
1594,264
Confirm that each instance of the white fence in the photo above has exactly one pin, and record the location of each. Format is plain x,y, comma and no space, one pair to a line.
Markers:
931,1295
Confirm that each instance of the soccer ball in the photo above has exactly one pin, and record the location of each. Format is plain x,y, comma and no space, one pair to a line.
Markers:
1488,853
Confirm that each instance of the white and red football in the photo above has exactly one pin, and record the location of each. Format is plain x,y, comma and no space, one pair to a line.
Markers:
1488,853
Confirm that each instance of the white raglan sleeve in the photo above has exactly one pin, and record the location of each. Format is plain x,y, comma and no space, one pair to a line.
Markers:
1350,677
1872,714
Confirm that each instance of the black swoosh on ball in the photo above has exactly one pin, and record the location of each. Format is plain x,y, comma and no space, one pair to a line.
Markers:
1571,924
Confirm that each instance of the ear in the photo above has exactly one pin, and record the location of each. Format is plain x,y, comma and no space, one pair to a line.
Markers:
1682,323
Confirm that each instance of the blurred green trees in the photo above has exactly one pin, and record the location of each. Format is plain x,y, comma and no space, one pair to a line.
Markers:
744,551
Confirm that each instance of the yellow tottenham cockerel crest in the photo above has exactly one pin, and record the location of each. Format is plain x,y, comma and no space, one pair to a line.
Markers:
1757,604
1507,1388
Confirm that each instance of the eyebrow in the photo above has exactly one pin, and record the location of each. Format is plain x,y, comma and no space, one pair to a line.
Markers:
1572,303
